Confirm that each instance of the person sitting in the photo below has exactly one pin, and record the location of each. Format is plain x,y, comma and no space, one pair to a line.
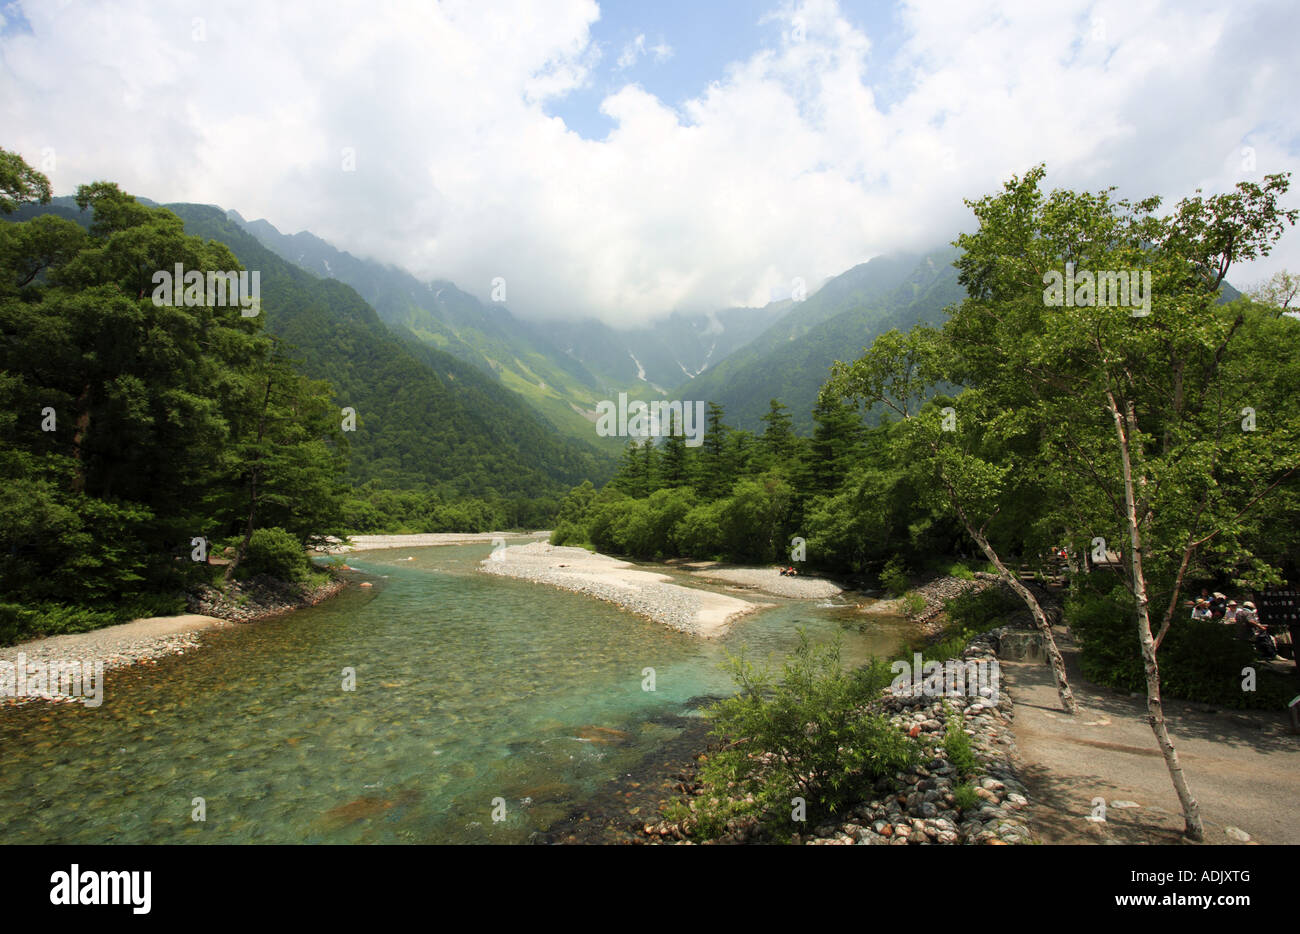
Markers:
1201,610
1249,627
1205,595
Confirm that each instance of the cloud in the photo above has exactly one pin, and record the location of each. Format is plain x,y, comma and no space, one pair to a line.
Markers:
812,154
635,49
631,52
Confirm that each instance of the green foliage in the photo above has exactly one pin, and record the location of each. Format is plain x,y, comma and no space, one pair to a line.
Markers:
913,603
276,553
961,572
893,577
956,743
374,509
130,427
21,622
1200,660
981,610
965,798
20,183
810,735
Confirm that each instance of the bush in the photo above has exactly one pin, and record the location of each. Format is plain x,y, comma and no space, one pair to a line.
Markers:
893,577
567,533
961,572
646,528
957,745
808,736
981,610
913,603
965,798
275,553
700,533
1199,660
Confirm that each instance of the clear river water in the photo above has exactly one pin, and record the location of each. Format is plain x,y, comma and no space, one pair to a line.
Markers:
474,693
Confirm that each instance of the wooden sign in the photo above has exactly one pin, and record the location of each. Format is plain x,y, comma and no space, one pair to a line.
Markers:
1279,607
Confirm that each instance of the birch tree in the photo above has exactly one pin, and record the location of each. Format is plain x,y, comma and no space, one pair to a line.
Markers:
1139,390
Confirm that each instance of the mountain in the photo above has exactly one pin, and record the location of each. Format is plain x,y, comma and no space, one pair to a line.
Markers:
423,417
791,360
563,368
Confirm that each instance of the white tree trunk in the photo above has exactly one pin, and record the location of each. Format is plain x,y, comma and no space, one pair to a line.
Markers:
1040,619
1193,827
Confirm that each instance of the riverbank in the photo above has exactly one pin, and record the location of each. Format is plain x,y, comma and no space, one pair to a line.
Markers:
145,641
260,597
140,641
934,594
916,806
423,540
765,580
646,593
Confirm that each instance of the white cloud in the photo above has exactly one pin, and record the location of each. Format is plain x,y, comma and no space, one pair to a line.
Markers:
634,50
802,160
631,52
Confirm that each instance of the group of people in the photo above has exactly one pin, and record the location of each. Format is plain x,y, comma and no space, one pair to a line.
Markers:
789,572
1216,607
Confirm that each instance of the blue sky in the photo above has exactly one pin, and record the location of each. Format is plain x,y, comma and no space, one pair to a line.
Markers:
703,39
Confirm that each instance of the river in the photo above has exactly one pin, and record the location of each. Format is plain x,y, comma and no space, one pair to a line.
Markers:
475,696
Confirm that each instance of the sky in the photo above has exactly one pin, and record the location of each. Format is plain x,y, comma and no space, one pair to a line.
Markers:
625,160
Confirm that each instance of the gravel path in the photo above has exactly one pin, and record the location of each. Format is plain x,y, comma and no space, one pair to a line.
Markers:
699,612
1241,765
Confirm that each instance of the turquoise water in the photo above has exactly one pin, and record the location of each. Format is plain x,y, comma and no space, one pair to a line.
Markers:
473,693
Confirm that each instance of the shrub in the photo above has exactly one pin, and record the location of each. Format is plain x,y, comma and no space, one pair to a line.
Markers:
275,553
700,533
893,577
957,745
965,798
808,736
981,610
913,603
646,528
1199,660
961,572
567,533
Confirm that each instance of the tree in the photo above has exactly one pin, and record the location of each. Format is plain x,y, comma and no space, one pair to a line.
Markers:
672,467
134,427
289,458
778,442
1140,406
900,372
1280,290
711,477
20,183
836,443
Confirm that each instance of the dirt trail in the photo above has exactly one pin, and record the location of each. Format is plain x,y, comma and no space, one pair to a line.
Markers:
1243,767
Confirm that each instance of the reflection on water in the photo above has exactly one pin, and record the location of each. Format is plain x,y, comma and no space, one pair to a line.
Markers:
472,692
